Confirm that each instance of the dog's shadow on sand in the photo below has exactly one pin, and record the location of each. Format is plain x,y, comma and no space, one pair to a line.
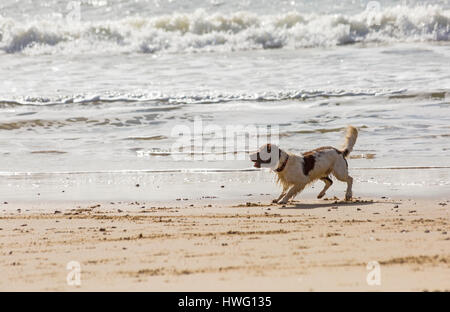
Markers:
299,205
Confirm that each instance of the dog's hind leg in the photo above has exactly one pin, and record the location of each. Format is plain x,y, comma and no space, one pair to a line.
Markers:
292,192
328,182
340,171
349,193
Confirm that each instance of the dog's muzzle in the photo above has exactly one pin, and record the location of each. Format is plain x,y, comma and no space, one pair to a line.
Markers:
256,158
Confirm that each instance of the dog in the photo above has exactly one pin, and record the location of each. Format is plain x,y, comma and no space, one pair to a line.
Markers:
295,172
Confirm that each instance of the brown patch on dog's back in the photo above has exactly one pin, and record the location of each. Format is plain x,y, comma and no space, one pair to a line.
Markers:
308,163
320,149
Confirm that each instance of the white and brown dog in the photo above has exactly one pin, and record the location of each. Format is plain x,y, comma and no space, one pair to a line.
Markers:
295,172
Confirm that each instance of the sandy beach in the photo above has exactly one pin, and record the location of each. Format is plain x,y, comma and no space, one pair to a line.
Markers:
126,130
309,245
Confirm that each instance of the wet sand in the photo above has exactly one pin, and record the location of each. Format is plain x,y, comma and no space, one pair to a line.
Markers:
207,245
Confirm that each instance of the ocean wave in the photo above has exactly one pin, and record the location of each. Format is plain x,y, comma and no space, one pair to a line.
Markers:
200,31
196,98
42,174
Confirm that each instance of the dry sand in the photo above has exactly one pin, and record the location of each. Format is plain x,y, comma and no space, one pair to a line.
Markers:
312,245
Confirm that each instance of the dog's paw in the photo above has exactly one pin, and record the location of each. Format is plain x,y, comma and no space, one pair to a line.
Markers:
348,198
282,202
320,195
275,201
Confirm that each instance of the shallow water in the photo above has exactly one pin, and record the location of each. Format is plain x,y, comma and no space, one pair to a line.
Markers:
188,186
106,93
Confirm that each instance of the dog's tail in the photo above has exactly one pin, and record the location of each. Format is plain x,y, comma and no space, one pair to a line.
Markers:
350,140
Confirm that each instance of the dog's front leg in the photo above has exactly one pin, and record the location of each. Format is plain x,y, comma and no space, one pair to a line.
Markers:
279,197
328,182
292,192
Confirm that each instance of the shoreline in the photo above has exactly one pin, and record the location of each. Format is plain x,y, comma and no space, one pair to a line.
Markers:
310,245
225,186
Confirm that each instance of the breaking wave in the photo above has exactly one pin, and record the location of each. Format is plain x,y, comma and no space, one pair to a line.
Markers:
198,98
200,31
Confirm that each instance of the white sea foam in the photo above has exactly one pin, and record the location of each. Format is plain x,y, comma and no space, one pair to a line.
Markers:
194,98
200,31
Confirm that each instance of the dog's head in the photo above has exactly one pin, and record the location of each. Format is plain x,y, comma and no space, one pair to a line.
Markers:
267,156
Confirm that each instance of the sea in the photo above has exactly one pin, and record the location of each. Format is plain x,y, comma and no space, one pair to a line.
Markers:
160,99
